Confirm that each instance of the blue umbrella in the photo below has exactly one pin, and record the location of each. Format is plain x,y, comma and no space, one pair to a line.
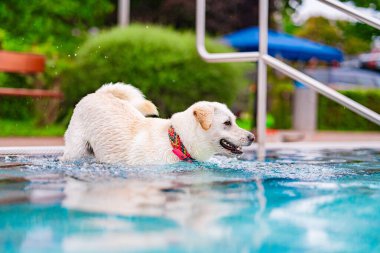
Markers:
284,45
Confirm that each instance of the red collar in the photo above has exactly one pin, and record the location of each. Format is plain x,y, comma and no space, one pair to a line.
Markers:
178,148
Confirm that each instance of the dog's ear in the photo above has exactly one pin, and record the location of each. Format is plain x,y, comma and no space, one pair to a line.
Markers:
204,114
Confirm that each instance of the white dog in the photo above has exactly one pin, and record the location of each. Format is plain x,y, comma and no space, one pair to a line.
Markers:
112,125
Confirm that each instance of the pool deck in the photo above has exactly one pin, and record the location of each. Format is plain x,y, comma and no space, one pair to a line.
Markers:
31,141
321,136
276,139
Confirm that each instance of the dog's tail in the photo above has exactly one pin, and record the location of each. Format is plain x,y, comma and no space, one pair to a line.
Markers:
132,95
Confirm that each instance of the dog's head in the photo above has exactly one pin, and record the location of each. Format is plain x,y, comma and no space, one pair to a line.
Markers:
211,128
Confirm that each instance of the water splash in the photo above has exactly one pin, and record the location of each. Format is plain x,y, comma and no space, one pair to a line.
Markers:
294,201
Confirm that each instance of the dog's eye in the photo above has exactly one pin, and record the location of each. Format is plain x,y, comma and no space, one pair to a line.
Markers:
227,123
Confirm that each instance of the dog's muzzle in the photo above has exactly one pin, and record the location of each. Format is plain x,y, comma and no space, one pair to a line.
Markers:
231,147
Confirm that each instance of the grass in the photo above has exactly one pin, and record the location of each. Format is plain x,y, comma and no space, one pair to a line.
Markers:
28,128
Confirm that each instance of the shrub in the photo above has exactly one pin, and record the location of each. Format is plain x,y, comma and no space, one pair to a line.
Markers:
15,107
51,28
60,23
334,116
161,62
280,96
331,115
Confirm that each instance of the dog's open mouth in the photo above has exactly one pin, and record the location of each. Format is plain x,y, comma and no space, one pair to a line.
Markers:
231,147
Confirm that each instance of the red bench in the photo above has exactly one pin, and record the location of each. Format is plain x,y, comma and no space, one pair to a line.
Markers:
24,63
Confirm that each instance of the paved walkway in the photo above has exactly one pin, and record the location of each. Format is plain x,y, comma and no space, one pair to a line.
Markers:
274,136
31,141
322,136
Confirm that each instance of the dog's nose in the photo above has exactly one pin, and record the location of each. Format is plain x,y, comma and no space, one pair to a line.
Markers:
251,138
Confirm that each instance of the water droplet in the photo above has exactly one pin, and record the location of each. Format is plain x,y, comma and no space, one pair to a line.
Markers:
75,54
147,26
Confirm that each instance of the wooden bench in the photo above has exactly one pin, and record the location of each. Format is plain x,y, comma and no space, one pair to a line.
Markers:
24,63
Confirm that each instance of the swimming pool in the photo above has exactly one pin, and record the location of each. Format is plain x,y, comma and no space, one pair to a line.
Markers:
295,201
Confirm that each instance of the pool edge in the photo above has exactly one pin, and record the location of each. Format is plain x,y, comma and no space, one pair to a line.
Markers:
58,150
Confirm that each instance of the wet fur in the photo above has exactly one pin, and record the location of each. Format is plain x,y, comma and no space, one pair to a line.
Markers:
111,124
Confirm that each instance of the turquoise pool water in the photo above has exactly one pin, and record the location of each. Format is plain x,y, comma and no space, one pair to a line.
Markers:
295,201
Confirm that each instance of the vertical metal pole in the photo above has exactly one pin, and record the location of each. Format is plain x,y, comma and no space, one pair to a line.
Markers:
262,79
201,23
123,12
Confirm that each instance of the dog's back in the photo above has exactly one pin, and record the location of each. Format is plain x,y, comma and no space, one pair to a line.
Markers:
125,102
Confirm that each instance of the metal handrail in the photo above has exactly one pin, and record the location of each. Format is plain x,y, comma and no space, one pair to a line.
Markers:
216,57
323,89
240,57
264,59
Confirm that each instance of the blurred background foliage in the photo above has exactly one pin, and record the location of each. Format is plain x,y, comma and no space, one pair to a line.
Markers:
55,29
334,116
65,32
160,61
350,37
340,34
43,23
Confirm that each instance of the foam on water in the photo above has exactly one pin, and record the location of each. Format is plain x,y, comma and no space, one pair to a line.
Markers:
325,200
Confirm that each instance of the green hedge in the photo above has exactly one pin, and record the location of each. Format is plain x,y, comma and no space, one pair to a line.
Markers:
162,62
51,28
332,115
15,108
280,98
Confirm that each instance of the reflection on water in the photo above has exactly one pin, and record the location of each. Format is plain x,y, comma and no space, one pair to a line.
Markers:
295,201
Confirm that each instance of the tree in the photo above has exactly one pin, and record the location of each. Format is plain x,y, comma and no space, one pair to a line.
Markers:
333,33
52,28
60,23
373,4
222,16
321,30
354,37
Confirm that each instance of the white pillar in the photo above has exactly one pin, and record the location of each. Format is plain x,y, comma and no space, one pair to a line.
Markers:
123,12
305,109
262,79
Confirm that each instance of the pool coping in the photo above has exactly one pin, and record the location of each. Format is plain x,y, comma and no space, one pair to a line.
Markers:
318,145
58,150
32,150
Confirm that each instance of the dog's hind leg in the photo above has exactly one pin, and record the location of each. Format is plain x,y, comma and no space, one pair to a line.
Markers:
75,145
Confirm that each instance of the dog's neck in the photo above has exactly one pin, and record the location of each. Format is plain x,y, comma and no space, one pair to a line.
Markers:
179,148
196,144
